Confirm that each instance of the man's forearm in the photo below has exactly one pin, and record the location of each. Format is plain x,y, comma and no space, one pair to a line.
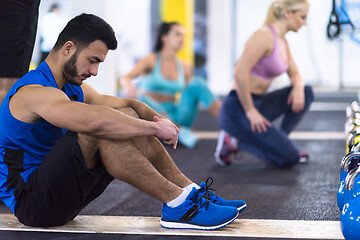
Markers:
144,111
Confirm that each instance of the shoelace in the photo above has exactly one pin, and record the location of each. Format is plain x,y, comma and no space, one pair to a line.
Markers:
208,195
199,201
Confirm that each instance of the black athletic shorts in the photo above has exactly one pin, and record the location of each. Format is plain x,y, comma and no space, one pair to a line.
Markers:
18,24
61,187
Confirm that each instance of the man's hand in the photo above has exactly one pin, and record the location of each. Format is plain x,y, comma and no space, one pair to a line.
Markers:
257,121
168,131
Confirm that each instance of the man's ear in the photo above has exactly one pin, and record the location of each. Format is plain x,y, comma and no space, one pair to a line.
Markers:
68,47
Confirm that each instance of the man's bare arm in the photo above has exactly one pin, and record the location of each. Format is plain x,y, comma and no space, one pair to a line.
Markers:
94,98
34,103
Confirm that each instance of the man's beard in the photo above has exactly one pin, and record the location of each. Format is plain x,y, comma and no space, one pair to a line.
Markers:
70,70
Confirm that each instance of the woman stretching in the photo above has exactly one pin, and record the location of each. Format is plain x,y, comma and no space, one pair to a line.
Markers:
167,85
248,109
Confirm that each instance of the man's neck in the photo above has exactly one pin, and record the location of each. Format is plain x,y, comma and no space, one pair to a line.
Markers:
57,69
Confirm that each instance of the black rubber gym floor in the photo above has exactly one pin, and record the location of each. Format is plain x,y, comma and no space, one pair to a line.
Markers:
305,192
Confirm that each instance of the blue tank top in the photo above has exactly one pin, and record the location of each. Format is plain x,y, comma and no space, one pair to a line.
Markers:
23,145
155,82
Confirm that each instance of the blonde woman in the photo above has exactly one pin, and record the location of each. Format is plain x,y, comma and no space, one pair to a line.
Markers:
248,109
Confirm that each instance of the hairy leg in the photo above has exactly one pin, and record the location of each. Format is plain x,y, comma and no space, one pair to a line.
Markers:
124,161
142,162
155,152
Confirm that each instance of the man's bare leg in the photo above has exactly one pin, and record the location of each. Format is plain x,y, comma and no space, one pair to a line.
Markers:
146,165
126,163
143,162
155,152
5,85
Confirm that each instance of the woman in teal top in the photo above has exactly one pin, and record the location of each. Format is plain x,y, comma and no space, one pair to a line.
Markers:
168,86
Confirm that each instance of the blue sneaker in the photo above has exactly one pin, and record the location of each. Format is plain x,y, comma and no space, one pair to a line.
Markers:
187,137
212,197
197,213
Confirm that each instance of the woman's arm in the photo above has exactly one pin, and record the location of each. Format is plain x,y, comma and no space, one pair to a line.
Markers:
260,44
188,71
144,66
297,95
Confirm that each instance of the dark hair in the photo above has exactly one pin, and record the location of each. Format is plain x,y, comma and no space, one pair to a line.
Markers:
85,29
164,29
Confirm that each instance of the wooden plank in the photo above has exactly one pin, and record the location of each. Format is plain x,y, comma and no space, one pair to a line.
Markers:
297,135
150,226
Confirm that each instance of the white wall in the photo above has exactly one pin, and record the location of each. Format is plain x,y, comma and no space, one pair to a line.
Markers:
251,15
131,23
220,63
230,24
316,56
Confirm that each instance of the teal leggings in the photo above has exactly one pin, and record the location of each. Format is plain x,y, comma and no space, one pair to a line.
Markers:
184,112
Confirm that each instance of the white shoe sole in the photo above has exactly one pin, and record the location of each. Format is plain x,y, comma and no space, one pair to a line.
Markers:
177,225
241,208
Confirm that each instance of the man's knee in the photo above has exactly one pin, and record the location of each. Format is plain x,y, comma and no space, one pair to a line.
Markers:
89,146
129,111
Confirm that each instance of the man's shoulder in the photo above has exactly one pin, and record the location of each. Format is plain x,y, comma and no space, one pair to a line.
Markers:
33,74
37,76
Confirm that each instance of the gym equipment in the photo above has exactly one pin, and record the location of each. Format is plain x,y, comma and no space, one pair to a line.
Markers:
352,109
337,18
352,117
352,139
356,147
350,214
349,162
350,219
352,182
348,166
354,124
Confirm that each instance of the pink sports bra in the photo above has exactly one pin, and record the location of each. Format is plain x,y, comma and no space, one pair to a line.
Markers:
271,66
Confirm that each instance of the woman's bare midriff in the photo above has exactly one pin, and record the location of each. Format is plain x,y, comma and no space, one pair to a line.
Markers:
257,85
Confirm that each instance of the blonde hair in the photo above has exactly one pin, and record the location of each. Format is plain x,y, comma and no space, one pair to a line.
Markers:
276,8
